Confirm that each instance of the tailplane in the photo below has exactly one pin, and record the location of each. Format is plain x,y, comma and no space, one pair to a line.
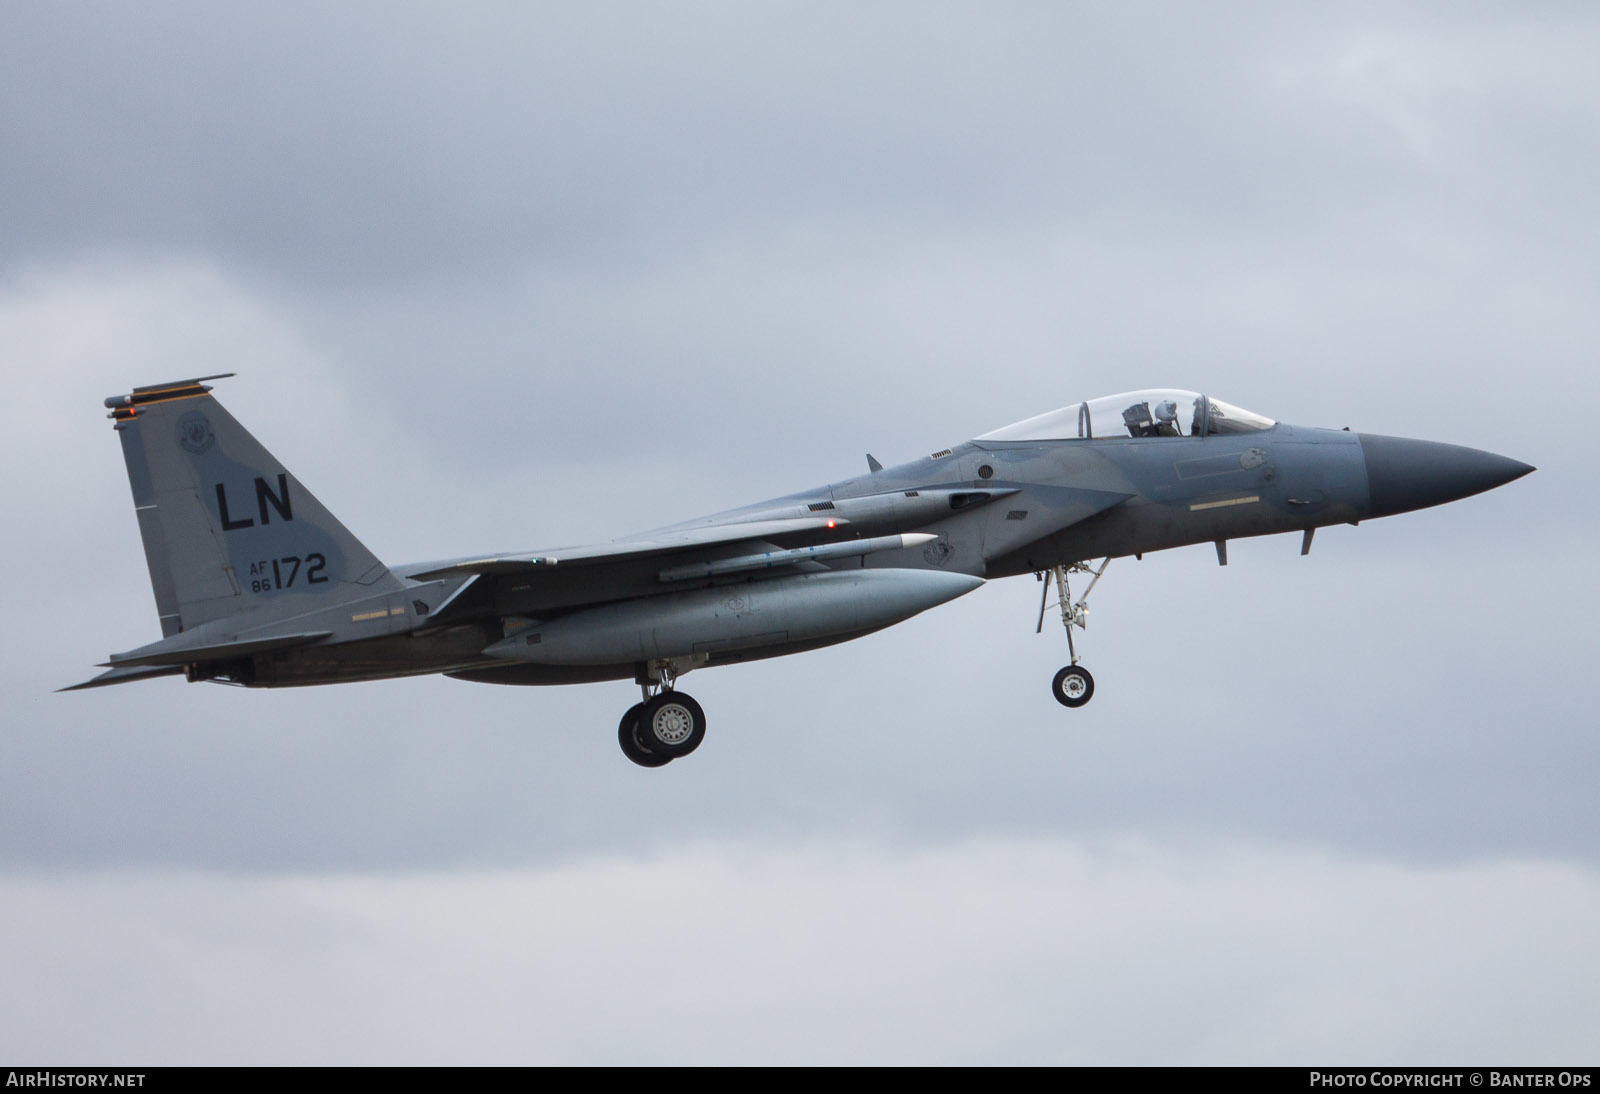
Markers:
227,529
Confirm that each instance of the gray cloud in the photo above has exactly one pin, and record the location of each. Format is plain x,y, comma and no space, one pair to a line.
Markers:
369,146
1040,951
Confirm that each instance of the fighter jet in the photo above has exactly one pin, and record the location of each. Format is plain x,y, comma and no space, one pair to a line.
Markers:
256,584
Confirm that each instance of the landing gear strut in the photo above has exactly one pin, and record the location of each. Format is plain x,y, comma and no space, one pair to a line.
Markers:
666,725
1072,686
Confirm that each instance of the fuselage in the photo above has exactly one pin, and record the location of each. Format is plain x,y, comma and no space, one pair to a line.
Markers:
1129,474
1013,503
257,584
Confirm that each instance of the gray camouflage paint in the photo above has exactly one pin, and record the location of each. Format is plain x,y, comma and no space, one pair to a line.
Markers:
258,584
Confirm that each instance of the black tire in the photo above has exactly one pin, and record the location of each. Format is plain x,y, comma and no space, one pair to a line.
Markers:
671,725
632,745
1073,686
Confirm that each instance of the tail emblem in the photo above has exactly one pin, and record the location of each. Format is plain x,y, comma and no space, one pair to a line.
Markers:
194,433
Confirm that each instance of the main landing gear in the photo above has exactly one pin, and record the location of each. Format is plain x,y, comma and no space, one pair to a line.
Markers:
666,725
1072,686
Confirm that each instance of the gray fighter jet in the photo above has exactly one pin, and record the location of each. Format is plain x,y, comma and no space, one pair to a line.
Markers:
257,584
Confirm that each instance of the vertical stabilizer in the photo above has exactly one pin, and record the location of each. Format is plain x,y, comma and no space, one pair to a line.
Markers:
226,528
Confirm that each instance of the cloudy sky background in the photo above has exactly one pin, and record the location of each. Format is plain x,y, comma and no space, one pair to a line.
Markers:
509,276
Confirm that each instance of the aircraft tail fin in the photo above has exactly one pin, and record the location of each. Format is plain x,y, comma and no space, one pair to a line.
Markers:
226,528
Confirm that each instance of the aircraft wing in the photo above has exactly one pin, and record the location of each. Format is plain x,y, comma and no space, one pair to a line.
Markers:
659,543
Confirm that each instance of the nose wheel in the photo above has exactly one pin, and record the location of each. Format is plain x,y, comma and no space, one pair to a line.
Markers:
1072,686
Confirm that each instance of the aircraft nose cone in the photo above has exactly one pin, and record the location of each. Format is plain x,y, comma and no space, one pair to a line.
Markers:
1403,475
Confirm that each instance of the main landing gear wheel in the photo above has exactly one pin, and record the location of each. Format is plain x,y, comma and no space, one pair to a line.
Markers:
628,736
1073,686
671,725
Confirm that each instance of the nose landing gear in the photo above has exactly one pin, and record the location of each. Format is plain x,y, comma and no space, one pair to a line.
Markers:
1072,686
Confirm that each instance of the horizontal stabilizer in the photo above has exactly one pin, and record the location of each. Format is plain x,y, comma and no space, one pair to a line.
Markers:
167,653
125,675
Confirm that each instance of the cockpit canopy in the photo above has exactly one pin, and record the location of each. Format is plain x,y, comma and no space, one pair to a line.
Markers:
1156,412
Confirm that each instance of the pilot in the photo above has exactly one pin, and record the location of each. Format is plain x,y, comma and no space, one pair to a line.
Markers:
1167,420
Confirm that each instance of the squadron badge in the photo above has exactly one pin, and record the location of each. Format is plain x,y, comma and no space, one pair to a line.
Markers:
938,552
194,433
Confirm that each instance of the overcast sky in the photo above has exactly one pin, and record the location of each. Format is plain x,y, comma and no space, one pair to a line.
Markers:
514,276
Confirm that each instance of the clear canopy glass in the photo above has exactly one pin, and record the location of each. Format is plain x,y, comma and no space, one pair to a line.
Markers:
1157,412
